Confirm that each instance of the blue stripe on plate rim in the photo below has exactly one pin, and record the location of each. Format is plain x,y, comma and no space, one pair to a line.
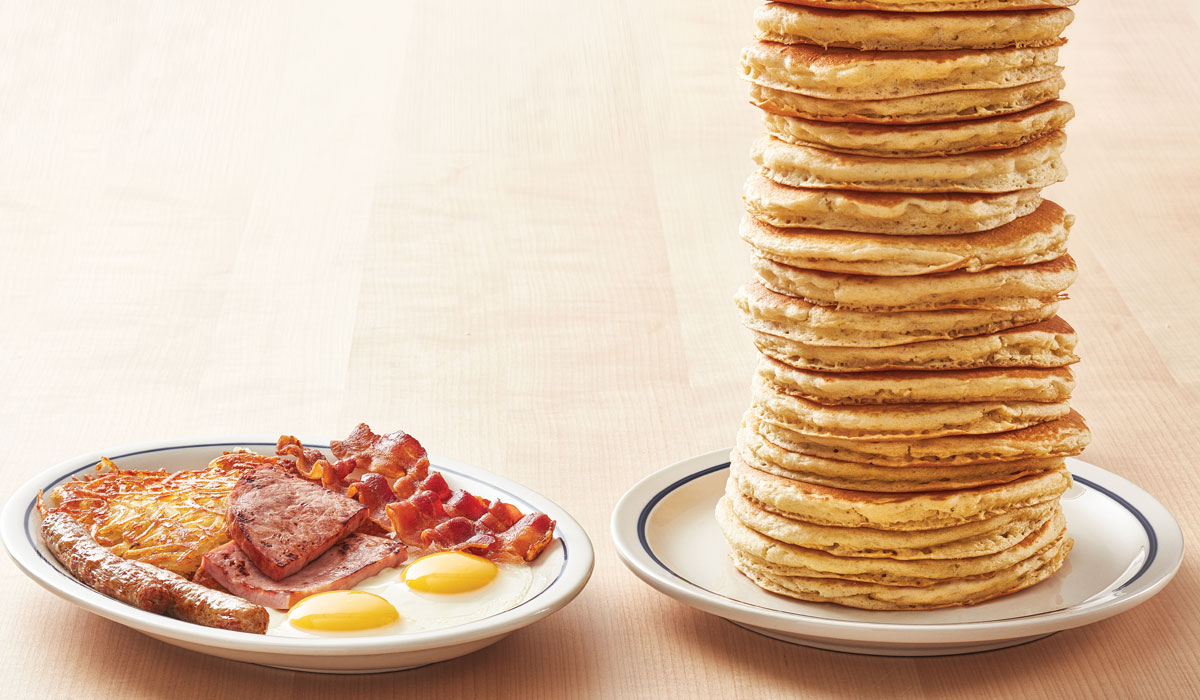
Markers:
33,542
1151,536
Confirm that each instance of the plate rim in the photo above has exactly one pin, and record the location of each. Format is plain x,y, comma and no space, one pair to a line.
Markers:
576,569
1152,577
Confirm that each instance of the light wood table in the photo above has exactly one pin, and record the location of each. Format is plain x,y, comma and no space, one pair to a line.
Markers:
510,229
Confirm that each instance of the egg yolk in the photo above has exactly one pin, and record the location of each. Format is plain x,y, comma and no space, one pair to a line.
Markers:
449,572
342,611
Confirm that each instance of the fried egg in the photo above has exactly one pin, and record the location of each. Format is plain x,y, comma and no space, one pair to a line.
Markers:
432,592
343,611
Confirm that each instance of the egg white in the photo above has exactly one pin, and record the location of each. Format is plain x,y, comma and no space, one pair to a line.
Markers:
420,611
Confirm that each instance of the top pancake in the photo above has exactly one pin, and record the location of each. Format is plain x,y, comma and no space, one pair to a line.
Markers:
849,74
932,5
907,31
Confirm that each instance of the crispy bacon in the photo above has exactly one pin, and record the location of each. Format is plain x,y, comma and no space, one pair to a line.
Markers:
371,490
459,534
418,507
464,505
501,516
393,455
311,464
528,536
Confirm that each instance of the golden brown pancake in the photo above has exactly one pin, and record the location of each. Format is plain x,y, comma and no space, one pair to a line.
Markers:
1053,384
979,538
925,510
759,452
917,140
1033,165
850,74
1030,239
884,212
1005,288
769,312
805,561
908,31
932,5
898,421
969,590
950,106
1047,344
1065,437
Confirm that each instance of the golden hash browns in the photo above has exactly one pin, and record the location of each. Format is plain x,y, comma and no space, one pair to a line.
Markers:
166,519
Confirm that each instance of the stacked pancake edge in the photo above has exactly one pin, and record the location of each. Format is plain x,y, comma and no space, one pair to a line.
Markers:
910,413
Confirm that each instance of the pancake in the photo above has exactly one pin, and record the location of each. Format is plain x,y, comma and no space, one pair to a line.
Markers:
874,596
900,31
803,561
907,141
1065,437
979,538
1030,239
760,453
932,5
898,421
915,386
1034,165
1047,344
922,510
769,312
950,106
881,212
1006,288
850,74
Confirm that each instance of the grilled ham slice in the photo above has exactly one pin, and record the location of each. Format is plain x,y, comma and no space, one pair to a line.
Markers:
341,567
282,522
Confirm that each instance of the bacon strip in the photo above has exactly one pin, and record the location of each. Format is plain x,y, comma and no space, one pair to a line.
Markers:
372,491
311,464
393,455
528,536
418,507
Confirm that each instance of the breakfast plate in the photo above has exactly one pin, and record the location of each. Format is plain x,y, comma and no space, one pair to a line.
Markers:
1127,548
557,576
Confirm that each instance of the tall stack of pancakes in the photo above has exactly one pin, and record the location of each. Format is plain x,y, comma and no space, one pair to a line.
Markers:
905,447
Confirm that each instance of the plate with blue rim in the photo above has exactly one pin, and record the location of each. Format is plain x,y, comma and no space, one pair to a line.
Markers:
559,573
1127,548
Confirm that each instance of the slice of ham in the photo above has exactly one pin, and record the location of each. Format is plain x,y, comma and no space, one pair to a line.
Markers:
282,522
340,568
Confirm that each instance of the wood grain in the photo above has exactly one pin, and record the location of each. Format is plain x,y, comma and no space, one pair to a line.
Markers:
510,228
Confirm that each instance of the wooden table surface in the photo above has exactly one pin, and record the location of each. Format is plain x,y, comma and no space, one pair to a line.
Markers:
510,229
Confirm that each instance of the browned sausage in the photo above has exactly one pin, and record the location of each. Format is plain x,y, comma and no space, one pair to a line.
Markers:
144,586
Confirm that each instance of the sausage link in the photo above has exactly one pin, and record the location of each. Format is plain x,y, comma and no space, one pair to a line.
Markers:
144,586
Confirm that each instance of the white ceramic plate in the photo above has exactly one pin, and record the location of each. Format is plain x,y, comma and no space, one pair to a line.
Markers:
558,574
1127,547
